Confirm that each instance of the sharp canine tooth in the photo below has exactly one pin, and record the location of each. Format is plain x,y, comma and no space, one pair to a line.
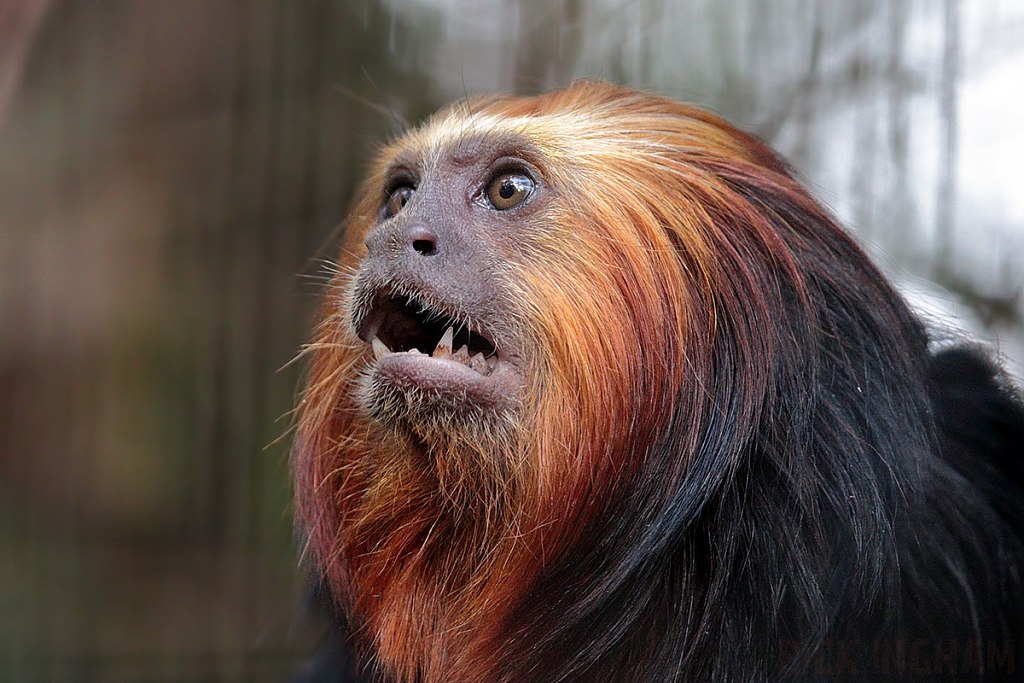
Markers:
444,347
380,349
478,363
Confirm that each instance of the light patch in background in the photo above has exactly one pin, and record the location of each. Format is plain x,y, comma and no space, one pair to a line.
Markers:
991,166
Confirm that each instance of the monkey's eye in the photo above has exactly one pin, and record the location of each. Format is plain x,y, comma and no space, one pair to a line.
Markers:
398,198
508,189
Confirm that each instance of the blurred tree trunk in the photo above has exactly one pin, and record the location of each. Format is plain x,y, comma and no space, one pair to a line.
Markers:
19,20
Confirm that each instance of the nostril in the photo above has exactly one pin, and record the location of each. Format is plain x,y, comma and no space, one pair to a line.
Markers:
423,240
425,247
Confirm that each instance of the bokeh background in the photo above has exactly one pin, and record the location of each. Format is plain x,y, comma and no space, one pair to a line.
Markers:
172,177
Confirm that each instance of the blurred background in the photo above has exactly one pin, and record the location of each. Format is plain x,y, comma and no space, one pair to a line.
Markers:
173,173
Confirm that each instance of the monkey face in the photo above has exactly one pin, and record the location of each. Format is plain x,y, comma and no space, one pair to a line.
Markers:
431,296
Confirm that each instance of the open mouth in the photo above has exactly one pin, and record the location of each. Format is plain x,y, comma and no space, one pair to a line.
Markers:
403,325
429,362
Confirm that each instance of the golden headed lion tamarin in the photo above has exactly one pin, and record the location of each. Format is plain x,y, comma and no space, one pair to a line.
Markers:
600,393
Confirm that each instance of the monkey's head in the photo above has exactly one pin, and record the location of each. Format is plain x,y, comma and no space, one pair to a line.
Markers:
549,315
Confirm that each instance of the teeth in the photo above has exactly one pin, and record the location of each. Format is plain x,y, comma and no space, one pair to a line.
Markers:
444,347
478,363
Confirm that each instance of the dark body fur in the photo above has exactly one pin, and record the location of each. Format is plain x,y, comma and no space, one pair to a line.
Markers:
827,500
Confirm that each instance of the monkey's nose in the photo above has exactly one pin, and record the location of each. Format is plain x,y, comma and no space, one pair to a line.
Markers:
416,238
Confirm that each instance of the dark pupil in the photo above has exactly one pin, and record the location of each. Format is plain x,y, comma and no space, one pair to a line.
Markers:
507,190
404,197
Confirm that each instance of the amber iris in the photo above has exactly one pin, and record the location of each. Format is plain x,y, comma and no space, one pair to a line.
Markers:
509,189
